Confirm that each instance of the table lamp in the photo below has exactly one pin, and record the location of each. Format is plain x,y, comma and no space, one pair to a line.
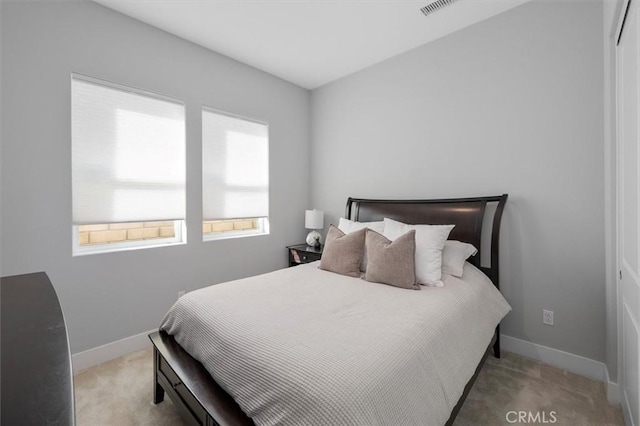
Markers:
314,220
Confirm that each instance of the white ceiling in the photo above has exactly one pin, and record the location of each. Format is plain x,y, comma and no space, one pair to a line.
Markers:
308,42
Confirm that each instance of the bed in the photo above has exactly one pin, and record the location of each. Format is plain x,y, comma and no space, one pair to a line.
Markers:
273,393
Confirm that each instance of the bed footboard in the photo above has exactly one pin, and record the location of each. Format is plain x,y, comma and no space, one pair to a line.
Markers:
200,400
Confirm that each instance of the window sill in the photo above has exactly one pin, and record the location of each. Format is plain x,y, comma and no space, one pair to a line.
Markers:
89,250
232,236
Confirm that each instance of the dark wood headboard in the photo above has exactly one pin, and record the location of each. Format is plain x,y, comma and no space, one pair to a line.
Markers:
467,214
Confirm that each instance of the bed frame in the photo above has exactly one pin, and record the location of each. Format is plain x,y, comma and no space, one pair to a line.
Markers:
203,402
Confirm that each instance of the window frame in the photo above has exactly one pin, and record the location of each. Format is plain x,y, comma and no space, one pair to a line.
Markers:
180,227
264,227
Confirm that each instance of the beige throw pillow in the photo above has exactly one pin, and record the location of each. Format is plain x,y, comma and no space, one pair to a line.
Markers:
347,226
392,262
342,252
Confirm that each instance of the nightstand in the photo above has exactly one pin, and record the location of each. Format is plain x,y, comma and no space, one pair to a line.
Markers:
302,253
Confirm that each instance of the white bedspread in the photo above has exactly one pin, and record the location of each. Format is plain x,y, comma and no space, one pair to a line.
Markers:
303,346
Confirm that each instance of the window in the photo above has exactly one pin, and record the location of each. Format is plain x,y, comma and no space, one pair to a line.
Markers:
128,167
235,176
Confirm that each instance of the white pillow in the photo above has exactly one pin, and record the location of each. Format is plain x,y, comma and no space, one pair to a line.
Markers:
454,254
430,241
347,226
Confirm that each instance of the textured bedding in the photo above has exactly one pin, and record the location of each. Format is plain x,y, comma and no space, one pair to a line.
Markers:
303,346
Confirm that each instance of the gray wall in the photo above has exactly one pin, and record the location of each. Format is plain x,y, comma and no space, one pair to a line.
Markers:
513,104
107,297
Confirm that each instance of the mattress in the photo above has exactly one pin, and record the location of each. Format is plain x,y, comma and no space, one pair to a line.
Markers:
303,346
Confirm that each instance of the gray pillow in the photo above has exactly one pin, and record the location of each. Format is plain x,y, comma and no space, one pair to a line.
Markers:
342,252
392,262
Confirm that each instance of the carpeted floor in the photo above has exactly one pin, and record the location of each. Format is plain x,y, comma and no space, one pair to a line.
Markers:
517,384
118,393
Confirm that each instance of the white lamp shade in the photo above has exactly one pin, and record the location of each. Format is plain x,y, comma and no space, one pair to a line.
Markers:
314,219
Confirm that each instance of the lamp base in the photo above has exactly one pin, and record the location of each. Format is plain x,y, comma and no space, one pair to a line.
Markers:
314,239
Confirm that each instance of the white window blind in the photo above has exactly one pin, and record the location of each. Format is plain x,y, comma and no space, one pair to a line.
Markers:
128,154
235,167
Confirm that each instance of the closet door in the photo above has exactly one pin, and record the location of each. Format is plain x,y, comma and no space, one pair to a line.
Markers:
628,55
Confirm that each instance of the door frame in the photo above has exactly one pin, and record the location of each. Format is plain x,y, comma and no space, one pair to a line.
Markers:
617,175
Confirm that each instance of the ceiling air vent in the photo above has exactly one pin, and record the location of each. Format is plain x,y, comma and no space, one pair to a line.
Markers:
434,6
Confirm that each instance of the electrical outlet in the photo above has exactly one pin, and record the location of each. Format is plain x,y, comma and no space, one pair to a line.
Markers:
181,293
547,317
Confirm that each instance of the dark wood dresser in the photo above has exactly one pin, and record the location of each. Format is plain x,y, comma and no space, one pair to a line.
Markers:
37,379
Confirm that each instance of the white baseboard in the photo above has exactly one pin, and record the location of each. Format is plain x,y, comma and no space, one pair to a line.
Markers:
555,357
613,389
565,360
89,358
